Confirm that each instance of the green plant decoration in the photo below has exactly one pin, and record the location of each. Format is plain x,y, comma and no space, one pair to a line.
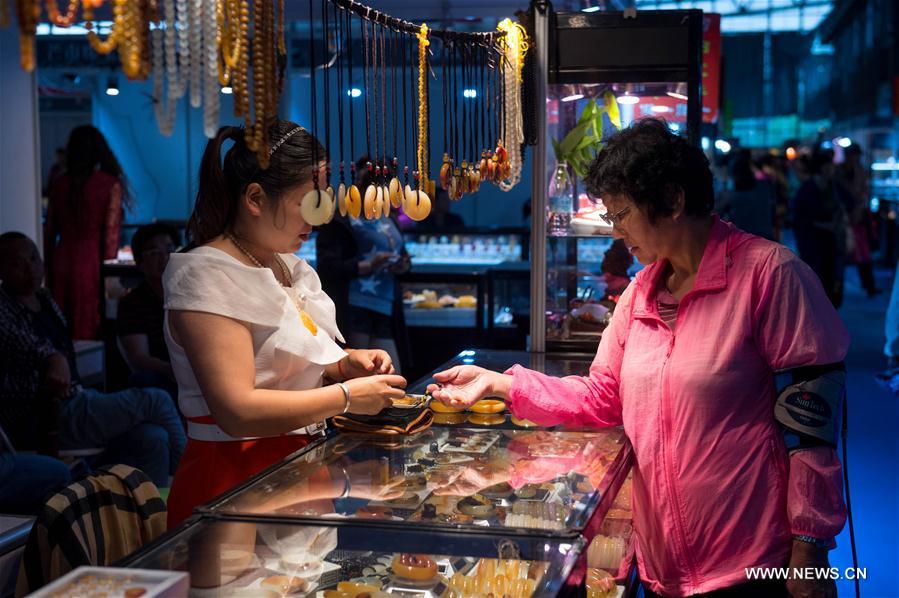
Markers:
579,147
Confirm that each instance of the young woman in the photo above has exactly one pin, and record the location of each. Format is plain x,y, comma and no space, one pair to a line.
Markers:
250,332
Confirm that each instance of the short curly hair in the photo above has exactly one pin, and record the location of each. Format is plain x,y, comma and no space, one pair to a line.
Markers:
650,165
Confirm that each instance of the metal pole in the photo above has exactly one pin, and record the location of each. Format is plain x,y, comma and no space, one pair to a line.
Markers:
538,187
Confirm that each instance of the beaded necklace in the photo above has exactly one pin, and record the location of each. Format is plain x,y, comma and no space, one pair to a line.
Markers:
299,299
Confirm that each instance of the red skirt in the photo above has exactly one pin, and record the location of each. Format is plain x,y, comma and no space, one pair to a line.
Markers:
208,469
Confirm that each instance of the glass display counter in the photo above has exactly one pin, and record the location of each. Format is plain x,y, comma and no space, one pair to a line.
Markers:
454,511
466,247
584,99
517,482
244,558
452,300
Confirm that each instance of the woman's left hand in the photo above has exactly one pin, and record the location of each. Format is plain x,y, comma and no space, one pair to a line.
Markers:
402,265
367,362
807,555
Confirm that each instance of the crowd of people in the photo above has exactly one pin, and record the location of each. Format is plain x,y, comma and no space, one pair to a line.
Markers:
816,203
238,350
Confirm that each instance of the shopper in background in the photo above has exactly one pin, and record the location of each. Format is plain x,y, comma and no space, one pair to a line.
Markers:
141,312
42,404
774,170
853,177
57,169
615,265
358,261
750,204
821,225
251,334
715,490
84,217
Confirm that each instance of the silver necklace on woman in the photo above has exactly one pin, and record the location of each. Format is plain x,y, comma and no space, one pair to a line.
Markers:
299,300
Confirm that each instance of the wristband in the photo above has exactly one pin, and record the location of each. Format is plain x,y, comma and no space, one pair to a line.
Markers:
825,544
346,396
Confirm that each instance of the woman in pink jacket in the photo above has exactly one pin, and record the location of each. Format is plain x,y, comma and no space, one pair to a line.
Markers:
687,365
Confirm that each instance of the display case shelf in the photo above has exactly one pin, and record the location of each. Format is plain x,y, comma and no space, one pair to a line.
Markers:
239,558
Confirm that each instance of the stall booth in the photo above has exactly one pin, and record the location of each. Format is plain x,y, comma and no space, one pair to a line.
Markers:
480,503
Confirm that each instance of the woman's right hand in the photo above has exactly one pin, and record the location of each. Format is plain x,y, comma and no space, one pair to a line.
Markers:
464,385
371,394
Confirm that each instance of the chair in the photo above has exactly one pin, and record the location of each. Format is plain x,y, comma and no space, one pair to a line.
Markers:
95,521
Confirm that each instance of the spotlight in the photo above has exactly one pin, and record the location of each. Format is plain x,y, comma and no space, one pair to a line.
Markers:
470,93
843,142
628,99
722,146
354,92
573,97
112,87
227,90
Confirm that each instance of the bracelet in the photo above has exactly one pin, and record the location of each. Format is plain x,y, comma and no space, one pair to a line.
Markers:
340,367
346,483
825,544
346,396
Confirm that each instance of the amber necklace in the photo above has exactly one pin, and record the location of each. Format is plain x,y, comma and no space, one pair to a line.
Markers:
299,300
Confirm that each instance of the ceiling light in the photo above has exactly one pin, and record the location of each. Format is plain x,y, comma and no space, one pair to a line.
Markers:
227,90
112,86
843,142
677,96
628,99
470,93
573,97
660,109
590,9
722,146
354,92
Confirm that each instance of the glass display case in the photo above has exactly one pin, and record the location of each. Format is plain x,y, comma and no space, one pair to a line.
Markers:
453,300
275,558
645,64
466,247
455,511
513,481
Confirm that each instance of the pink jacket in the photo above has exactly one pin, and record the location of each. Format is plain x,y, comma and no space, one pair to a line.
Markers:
714,490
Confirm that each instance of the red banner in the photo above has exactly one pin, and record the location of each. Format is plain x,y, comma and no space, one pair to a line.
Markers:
711,66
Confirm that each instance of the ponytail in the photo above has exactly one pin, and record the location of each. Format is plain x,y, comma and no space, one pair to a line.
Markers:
216,203
223,182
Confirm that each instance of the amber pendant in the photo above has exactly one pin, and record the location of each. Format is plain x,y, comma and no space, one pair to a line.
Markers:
308,322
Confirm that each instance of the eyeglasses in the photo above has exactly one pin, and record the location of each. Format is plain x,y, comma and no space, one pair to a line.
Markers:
615,219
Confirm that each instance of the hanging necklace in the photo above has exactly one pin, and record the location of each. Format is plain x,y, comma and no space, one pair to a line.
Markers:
299,300
407,189
385,177
417,204
329,190
395,189
316,207
341,98
353,195
211,85
369,201
423,44
445,167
